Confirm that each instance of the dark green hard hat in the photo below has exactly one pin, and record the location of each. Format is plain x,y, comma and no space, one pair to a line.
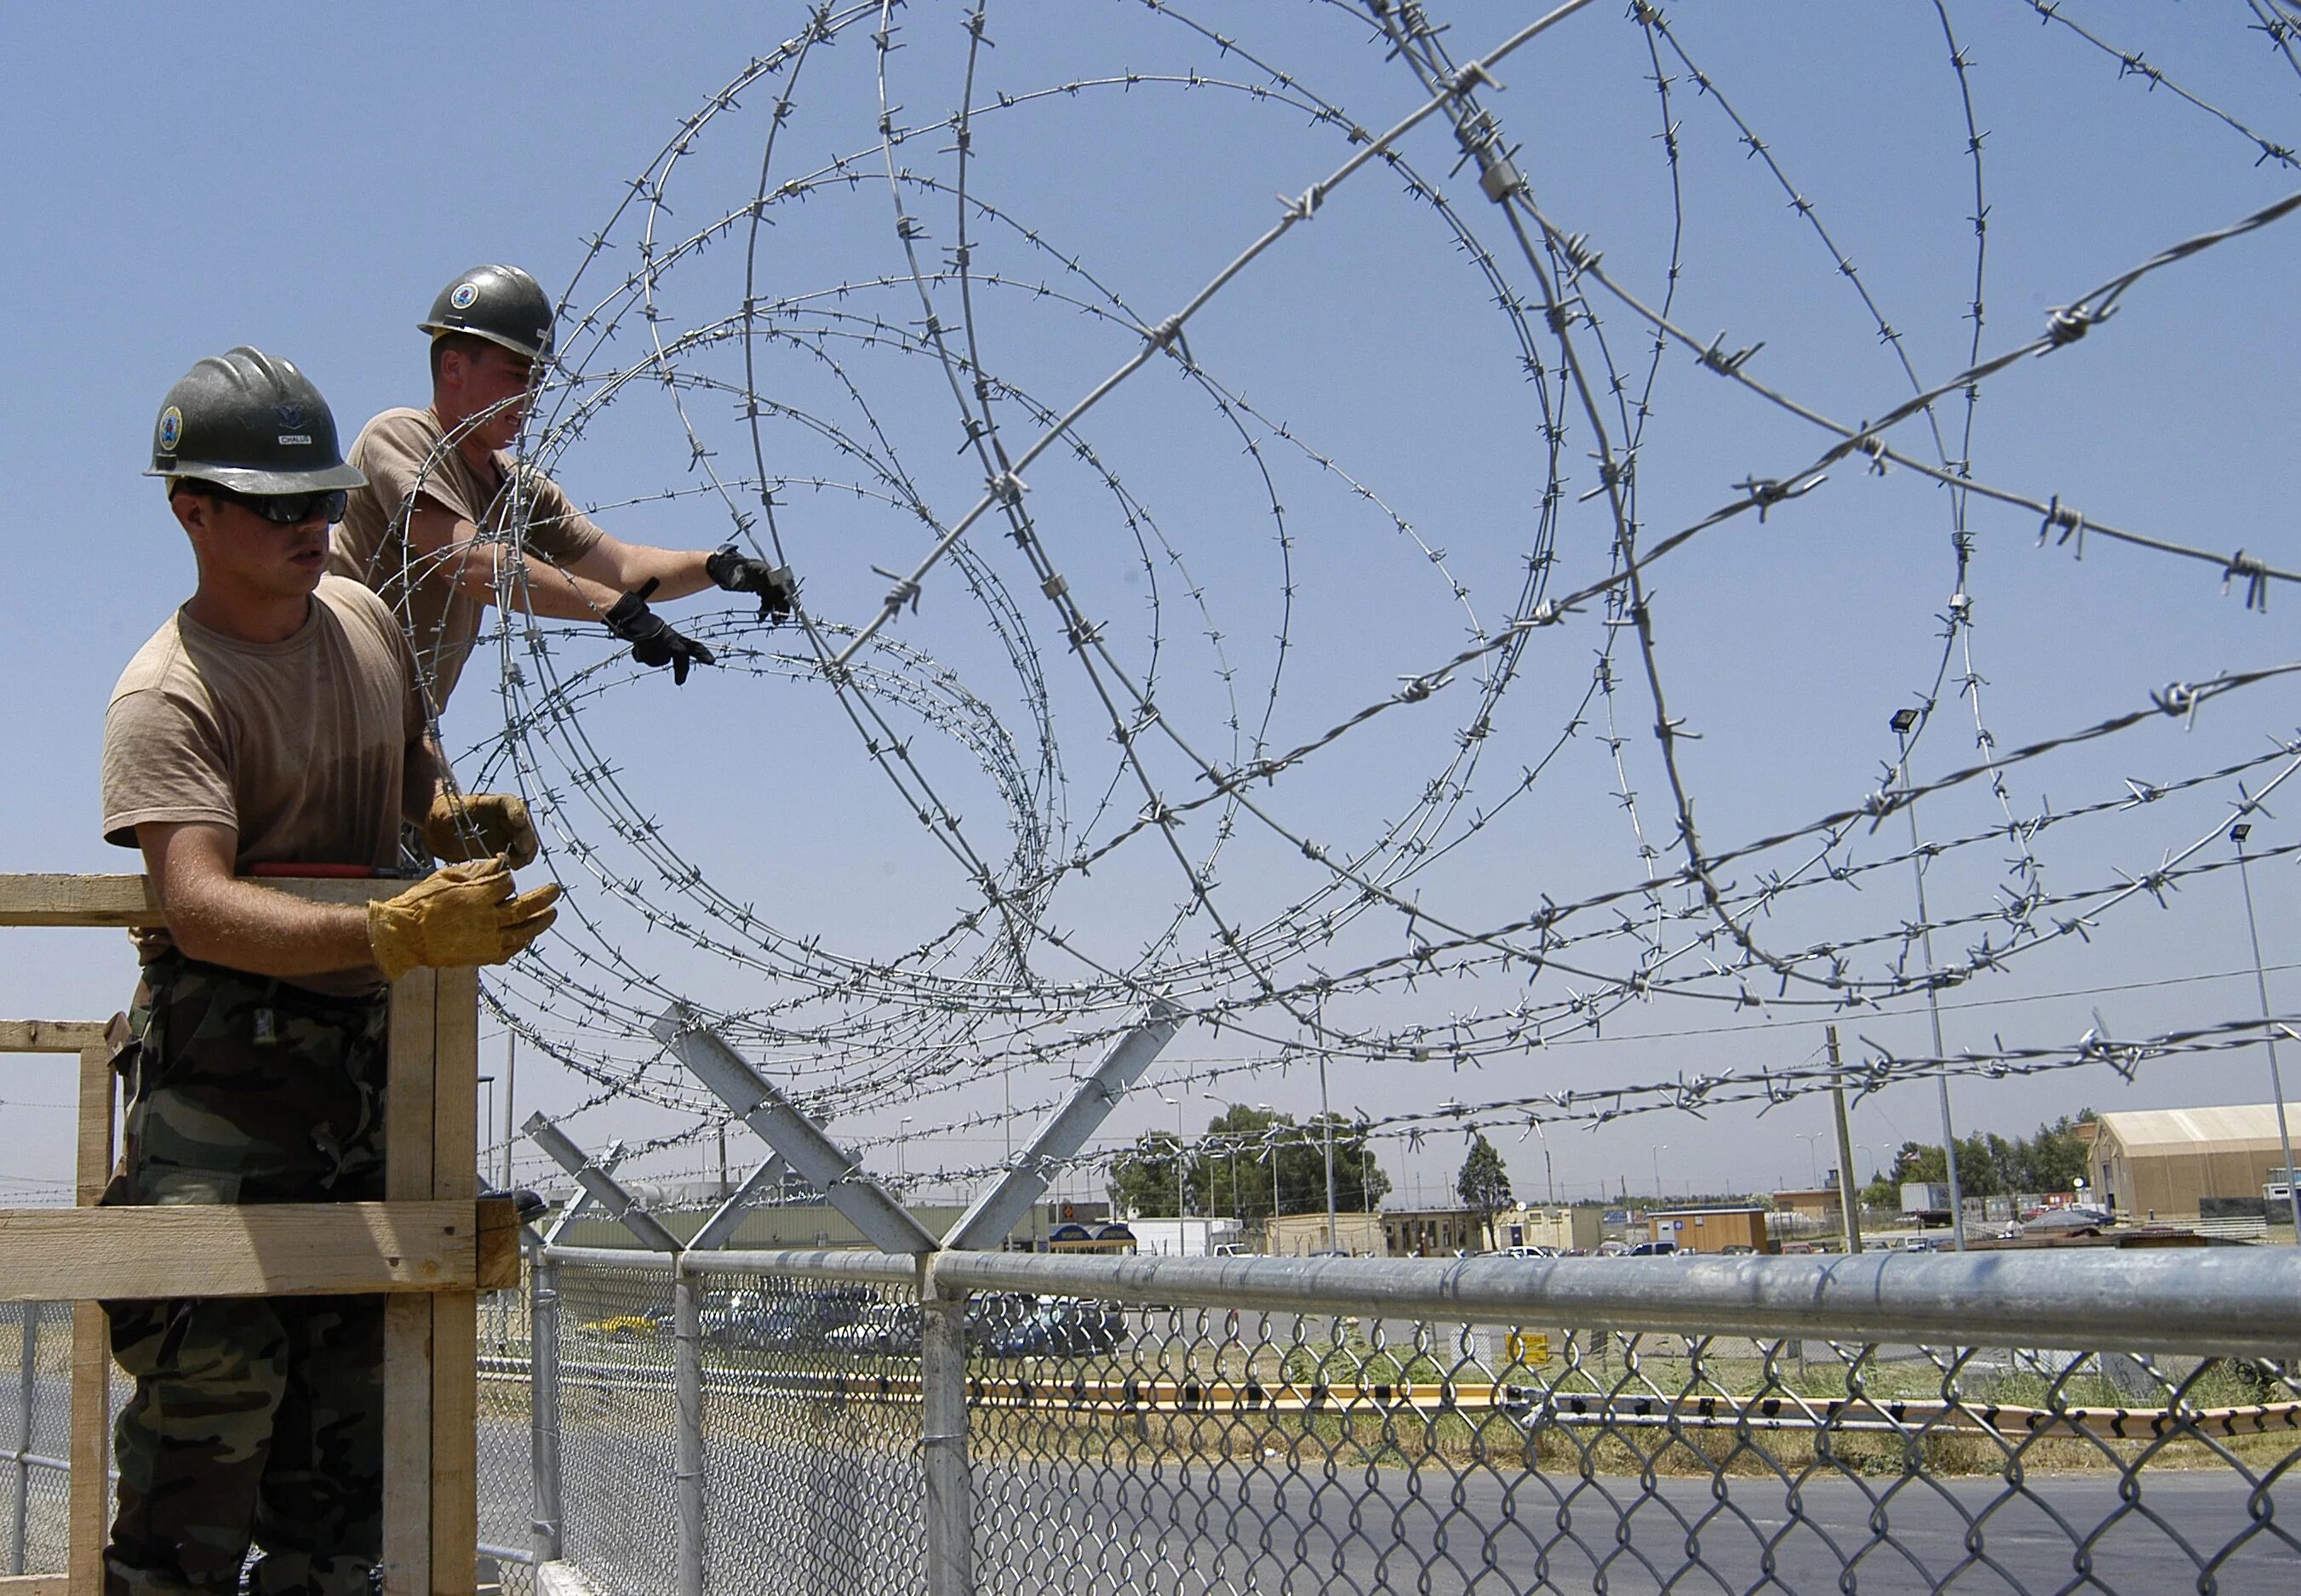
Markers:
500,304
247,422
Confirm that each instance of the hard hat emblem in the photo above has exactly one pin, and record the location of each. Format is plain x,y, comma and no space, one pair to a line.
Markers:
465,296
290,416
172,428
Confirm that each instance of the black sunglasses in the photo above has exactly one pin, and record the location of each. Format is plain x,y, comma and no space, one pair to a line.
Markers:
287,509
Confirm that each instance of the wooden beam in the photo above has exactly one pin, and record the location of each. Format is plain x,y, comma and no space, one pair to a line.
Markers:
408,1349
455,1315
130,900
498,1244
36,1584
49,1036
78,900
275,1249
98,1093
87,1512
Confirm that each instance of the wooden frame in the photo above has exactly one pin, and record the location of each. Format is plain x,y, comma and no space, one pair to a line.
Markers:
432,1245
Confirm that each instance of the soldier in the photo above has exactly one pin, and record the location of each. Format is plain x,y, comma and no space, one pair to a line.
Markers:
276,720
430,531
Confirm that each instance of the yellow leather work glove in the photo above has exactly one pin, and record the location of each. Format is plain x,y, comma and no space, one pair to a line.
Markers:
479,825
459,915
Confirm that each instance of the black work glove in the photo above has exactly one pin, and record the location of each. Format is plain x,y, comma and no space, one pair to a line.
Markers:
653,641
738,573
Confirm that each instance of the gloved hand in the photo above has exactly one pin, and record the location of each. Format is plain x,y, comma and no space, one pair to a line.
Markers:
460,915
653,642
479,825
738,573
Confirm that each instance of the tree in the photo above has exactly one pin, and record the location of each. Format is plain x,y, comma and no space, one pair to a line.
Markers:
2056,1156
1989,1166
1244,1149
1484,1185
1142,1178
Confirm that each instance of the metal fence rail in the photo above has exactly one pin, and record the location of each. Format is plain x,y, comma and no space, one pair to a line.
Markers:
814,1422
824,1421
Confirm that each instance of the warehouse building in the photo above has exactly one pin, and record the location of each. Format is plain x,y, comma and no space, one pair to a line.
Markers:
2186,1162
1711,1229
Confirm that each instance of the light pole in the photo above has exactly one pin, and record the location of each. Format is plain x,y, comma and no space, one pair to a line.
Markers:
1230,1136
1813,1160
1326,1121
1179,1205
1658,1152
902,1167
490,1122
1902,722
2238,834
1272,1136
1548,1180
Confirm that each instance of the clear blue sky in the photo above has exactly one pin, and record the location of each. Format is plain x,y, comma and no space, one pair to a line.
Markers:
305,177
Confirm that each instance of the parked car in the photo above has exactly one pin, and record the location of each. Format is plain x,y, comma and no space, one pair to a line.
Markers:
1063,1327
804,1322
732,1319
1651,1249
884,1327
995,1313
1530,1252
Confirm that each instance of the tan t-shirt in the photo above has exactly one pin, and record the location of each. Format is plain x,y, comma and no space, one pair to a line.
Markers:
299,745
404,453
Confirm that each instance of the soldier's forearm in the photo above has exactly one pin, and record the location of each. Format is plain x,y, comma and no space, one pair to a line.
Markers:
246,926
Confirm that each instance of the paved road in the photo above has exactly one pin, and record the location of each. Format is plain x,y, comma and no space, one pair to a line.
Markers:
827,1505
823,1500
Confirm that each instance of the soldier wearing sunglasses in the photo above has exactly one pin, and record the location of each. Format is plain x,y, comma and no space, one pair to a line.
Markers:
444,514
275,723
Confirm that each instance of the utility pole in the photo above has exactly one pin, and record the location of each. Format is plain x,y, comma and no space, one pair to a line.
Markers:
2238,834
1847,1200
1902,722
511,1061
1326,1119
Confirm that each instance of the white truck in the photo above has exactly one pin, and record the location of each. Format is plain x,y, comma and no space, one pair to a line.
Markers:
1185,1238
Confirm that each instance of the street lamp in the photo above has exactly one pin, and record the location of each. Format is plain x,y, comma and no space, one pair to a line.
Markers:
1813,1161
902,1168
489,1082
1902,722
1658,1152
2238,834
1327,1120
1179,1205
1230,1136
1548,1180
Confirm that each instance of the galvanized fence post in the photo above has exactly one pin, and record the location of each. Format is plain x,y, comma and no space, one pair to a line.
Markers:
943,1436
547,1525
19,1522
687,1382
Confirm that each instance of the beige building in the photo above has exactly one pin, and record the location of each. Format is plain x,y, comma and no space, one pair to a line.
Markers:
1709,1229
1432,1232
2164,1162
1814,1210
1560,1229
1299,1235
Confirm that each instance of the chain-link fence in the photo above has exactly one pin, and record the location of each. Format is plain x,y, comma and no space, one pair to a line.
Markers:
1898,1423
36,1431
816,1422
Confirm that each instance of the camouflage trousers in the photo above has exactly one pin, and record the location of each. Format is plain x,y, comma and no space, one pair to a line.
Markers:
255,1420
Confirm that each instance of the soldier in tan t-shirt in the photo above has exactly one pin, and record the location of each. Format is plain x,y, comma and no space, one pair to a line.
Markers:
275,719
445,510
